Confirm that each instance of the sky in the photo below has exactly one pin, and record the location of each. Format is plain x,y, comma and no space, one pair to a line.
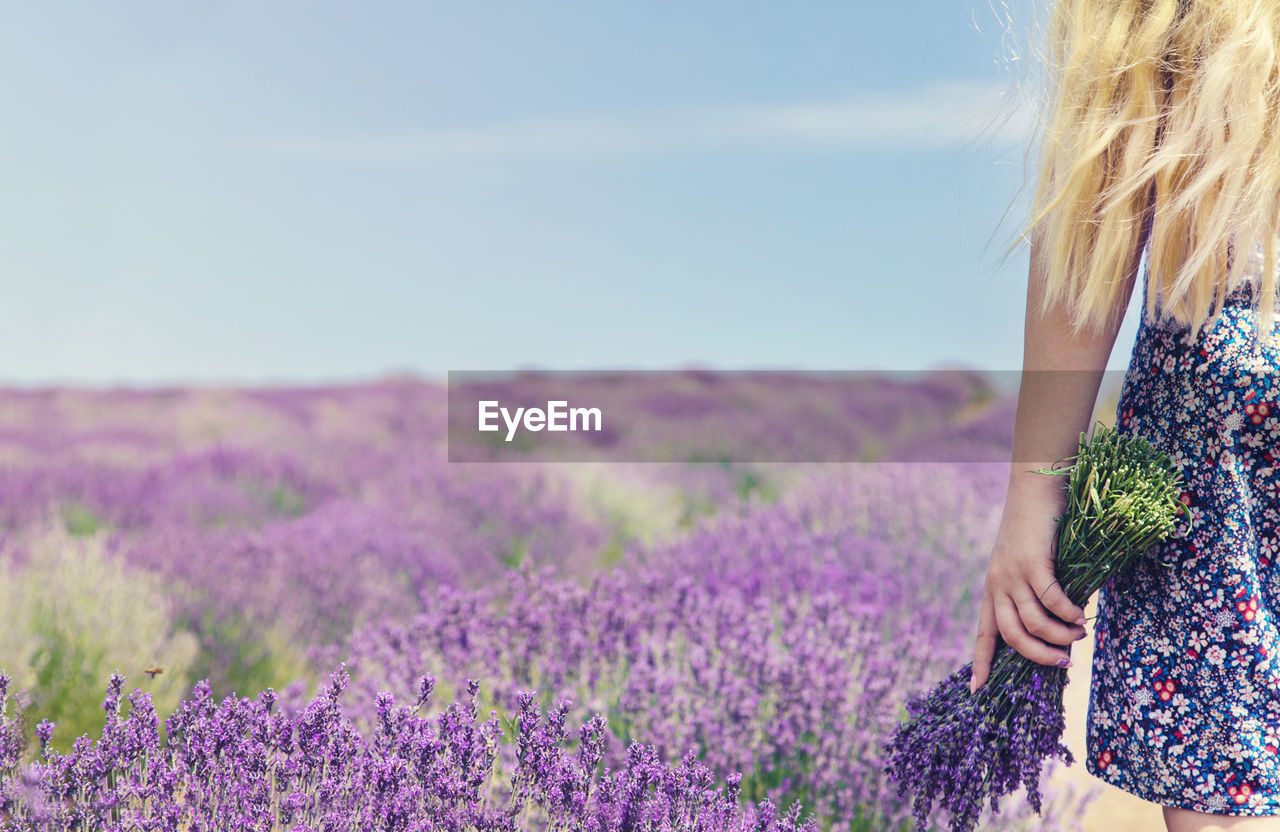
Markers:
259,193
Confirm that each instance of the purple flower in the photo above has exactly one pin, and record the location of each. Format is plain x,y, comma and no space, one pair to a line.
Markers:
217,768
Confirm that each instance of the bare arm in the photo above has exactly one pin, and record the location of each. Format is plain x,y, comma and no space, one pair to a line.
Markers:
1061,374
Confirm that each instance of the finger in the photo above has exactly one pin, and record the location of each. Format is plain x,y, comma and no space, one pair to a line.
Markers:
1039,623
1056,601
985,647
1019,639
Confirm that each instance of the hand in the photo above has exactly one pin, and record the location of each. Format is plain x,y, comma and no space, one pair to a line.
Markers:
1022,599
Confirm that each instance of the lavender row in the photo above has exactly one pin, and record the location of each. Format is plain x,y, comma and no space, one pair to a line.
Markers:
241,764
781,641
777,640
286,517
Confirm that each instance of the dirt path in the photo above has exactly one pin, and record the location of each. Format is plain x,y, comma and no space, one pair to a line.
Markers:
1113,809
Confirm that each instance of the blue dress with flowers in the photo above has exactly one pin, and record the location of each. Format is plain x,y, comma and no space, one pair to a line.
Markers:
1184,706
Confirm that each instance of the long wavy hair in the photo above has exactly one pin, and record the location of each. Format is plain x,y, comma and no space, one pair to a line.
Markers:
1160,115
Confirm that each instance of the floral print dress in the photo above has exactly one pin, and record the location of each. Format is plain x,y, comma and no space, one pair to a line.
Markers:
1184,706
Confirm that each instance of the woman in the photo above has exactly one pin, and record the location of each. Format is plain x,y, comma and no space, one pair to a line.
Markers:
1163,136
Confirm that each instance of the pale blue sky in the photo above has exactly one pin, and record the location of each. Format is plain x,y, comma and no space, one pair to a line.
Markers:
275,191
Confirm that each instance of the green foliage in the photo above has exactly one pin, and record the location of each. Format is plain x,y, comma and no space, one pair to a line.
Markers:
612,554
693,509
630,505
73,614
287,501
79,520
872,449
751,484
241,657
517,552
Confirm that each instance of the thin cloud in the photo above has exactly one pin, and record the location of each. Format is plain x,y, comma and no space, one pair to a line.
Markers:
941,114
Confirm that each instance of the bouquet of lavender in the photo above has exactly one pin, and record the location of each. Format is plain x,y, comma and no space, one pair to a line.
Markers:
962,749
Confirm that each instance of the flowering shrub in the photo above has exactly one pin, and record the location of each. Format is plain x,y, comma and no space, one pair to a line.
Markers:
241,764
74,612
770,619
780,642
287,517
275,518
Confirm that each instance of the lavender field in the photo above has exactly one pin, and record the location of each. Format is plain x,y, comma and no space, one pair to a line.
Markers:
285,609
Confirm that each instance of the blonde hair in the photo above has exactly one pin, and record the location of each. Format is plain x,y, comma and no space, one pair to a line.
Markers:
1162,114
